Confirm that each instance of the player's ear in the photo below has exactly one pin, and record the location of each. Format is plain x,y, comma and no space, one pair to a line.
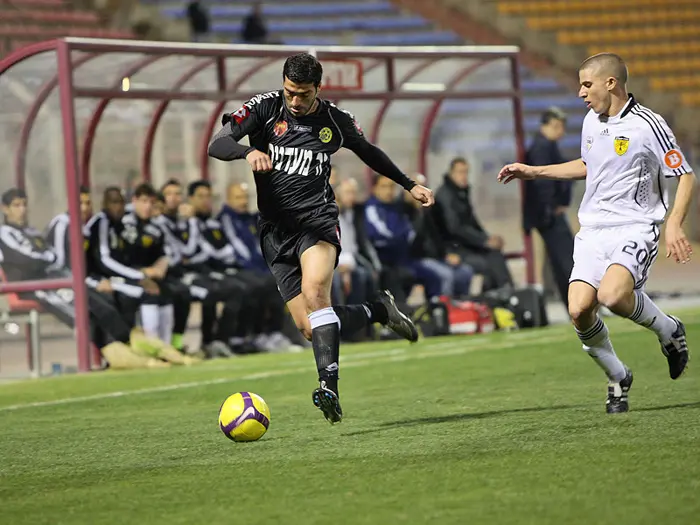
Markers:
318,89
610,83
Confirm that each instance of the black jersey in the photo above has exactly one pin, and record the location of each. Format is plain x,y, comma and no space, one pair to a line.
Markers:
24,254
300,149
58,237
145,242
107,250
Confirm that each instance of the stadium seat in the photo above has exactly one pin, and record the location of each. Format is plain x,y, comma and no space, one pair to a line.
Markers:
525,7
635,34
657,49
295,10
571,20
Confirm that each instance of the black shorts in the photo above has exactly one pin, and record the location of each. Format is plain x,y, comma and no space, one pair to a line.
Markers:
282,244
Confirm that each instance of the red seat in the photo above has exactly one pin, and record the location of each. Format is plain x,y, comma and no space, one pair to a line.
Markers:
16,303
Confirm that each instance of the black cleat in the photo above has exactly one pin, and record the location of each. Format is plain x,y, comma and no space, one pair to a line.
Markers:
398,322
617,395
676,350
328,402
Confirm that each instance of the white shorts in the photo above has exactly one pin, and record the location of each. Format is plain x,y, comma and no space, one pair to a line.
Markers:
634,246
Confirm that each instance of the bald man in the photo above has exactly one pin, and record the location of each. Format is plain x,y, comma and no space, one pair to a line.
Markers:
241,226
628,156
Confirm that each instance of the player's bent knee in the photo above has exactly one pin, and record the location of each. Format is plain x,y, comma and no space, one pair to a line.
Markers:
316,296
612,295
580,311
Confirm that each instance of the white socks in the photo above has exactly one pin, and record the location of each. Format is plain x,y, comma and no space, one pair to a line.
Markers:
150,320
596,341
648,315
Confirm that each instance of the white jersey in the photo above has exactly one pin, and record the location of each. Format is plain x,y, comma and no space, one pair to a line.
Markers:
629,158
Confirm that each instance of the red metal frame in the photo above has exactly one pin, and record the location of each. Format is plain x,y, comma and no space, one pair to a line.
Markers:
216,54
65,83
99,111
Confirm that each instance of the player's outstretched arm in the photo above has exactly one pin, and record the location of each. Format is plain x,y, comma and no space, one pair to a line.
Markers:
573,170
677,245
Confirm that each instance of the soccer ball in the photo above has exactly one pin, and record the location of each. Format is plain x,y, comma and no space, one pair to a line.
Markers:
244,416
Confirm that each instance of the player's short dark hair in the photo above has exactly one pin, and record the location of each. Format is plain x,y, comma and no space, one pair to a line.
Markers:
12,194
458,160
553,113
112,189
84,190
145,189
171,182
611,65
303,69
194,186
160,197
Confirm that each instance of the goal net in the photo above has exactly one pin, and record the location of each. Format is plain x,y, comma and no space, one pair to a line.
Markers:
105,112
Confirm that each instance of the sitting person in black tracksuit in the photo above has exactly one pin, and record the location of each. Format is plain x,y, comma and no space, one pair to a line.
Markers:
476,247
26,256
108,258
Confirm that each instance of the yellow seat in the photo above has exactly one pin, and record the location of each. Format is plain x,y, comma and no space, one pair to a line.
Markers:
630,51
587,6
675,83
571,20
636,34
691,99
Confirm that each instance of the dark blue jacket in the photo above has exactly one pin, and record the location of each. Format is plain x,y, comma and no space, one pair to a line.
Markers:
389,230
542,197
242,232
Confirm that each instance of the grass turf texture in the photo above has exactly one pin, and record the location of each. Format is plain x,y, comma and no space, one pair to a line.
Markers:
506,428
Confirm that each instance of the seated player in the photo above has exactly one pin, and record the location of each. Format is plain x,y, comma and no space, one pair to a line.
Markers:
26,256
240,227
391,232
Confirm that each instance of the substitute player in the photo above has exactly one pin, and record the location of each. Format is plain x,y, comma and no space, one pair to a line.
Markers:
628,153
293,134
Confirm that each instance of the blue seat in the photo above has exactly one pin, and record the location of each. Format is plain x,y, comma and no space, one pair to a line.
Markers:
565,102
311,41
422,38
539,84
312,26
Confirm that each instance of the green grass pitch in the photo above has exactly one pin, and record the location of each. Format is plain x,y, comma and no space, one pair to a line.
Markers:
497,429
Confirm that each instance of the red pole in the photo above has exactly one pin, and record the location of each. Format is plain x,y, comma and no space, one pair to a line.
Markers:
65,82
520,148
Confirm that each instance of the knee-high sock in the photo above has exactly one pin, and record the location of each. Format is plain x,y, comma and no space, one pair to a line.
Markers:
356,317
165,322
596,341
648,315
150,319
325,341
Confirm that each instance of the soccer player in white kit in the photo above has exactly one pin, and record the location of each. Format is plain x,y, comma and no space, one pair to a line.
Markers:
628,154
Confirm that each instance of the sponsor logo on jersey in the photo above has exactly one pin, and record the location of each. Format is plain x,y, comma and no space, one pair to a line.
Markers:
589,143
280,128
605,133
621,145
303,129
325,135
298,161
240,115
673,159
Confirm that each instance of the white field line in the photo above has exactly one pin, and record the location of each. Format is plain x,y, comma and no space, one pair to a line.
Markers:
445,349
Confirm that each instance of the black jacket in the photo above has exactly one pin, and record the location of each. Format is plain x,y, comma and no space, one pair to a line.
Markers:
542,197
456,217
24,254
429,242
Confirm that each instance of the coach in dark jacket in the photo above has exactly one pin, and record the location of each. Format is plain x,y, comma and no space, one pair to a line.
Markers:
546,201
478,249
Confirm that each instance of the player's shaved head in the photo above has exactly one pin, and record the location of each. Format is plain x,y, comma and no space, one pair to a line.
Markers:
607,65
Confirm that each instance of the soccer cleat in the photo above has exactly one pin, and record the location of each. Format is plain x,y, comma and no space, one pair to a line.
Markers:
617,395
328,402
398,322
676,350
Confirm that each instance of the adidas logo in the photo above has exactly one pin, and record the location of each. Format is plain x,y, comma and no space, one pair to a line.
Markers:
605,133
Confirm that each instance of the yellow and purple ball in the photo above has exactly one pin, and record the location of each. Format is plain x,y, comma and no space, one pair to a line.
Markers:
244,416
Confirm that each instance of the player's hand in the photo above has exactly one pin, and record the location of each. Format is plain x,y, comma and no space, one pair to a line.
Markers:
495,242
677,245
259,161
150,286
423,195
104,286
516,171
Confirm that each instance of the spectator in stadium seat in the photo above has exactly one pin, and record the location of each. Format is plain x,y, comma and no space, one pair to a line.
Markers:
390,231
254,30
356,277
198,16
477,248
429,244
546,201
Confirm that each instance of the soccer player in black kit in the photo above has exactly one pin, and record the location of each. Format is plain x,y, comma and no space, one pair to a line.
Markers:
293,134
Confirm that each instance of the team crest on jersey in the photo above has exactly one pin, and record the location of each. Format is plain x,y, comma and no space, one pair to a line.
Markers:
621,145
325,135
589,143
147,241
240,115
280,128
